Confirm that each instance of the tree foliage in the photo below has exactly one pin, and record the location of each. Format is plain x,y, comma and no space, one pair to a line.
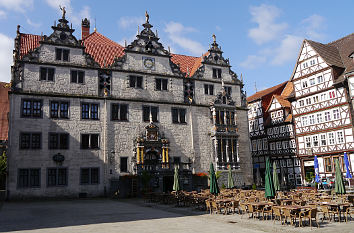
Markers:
3,164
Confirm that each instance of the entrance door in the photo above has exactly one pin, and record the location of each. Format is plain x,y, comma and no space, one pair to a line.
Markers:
168,184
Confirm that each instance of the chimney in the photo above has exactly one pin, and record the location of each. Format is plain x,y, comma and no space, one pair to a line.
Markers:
85,28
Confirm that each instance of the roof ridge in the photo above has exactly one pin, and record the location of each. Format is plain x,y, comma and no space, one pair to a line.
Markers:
184,55
335,41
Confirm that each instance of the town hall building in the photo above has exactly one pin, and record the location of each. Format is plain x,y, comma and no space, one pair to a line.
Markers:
86,113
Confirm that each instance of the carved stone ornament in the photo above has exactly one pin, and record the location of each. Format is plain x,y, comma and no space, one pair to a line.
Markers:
58,158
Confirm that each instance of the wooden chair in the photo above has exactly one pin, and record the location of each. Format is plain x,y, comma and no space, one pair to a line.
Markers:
277,213
348,212
310,214
208,206
287,213
243,208
215,207
326,211
267,210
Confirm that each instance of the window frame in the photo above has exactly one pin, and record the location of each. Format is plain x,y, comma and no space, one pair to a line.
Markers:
136,79
175,110
41,68
57,177
29,185
62,51
30,143
78,72
31,109
59,141
149,107
90,176
120,164
89,112
90,141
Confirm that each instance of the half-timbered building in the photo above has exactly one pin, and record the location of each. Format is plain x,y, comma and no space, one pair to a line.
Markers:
321,106
86,113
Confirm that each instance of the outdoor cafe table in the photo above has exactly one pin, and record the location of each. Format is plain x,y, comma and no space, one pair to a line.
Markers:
340,206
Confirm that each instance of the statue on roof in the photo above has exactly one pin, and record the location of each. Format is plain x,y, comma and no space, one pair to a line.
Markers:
63,10
147,17
214,38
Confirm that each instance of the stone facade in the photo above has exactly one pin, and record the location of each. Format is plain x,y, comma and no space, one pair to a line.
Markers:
191,142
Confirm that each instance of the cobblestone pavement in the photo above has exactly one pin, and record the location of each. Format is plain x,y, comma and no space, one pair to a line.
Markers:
133,215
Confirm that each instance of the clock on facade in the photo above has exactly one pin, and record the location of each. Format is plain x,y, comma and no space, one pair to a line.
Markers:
149,62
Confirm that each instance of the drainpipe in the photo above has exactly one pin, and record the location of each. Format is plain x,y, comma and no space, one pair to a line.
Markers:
192,137
105,160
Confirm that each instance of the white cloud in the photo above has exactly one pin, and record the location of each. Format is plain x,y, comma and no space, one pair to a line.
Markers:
176,32
6,47
3,14
130,22
287,51
267,29
313,25
17,5
33,24
84,13
252,61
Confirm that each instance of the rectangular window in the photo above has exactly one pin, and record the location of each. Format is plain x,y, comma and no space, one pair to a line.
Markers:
123,164
312,119
135,81
228,90
47,74
272,146
315,140
147,110
301,103
327,116
30,140
328,164
29,178
77,76
308,101
304,84
319,79
89,175
304,121
312,81
58,141
323,140
119,112
208,89
340,137
265,144
216,73
278,145
57,177
90,141
90,111
62,54
336,115
59,109
319,118
161,84
307,142
331,139
31,108
178,115
332,94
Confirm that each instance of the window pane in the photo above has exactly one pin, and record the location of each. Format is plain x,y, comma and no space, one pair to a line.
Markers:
174,115
53,141
139,82
58,54
23,178
34,177
66,54
64,141
123,112
158,84
94,111
25,140
81,76
94,176
36,141
85,176
94,141
62,176
85,111
182,115
124,164
52,177
26,108
219,73
74,76
37,108
115,111
206,89
154,112
54,109
146,113
43,73
50,74
164,84
214,73
64,110
211,89
132,80
85,140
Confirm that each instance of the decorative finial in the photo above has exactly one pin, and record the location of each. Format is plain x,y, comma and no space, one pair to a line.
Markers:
241,78
214,38
147,17
18,29
95,29
169,49
63,10
125,43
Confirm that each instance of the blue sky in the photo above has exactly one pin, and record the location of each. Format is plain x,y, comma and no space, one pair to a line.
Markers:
261,38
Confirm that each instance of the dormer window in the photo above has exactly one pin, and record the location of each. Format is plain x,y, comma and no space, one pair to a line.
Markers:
216,73
62,54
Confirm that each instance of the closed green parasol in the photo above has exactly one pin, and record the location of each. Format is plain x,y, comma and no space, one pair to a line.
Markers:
339,185
214,189
230,180
176,181
275,178
269,189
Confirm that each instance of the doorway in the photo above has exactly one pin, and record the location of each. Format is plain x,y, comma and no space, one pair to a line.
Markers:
168,184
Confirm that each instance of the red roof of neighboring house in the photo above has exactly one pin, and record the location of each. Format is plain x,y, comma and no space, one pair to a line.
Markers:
271,90
4,110
104,51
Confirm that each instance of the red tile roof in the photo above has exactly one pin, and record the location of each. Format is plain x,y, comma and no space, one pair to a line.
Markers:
4,110
104,50
271,90
28,43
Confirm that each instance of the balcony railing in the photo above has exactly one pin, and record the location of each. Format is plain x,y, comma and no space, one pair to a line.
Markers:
162,167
